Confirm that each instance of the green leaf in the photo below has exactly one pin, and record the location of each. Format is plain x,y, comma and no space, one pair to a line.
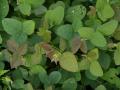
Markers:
55,16
65,31
0,39
75,12
68,62
104,10
25,9
117,55
85,32
98,39
44,79
100,87
55,77
40,10
116,34
28,27
2,65
90,76
105,60
18,84
28,86
4,8
19,38
69,84
45,34
96,69
58,3
2,72
66,75
93,54
37,69
36,3
84,64
11,26
108,28
77,24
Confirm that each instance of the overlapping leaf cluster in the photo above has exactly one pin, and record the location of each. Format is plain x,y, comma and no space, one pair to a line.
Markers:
59,44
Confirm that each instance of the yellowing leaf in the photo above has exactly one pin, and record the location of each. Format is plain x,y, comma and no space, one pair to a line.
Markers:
69,62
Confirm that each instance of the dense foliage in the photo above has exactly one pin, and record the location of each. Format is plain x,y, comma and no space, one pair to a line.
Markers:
59,45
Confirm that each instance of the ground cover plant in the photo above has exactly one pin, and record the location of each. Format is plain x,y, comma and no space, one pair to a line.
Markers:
59,45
